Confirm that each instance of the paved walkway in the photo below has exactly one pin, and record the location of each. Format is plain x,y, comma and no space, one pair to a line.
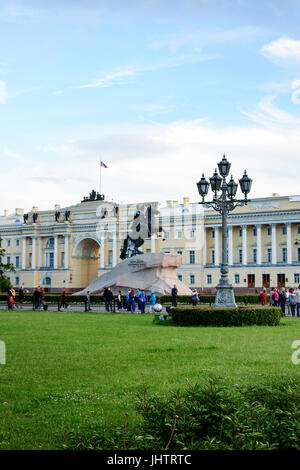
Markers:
75,308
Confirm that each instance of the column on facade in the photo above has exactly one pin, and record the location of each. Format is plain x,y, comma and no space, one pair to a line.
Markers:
204,246
40,253
230,251
289,242
55,264
114,249
217,261
33,263
66,259
102,253
153,243
258,244
274,250
244,244
24,252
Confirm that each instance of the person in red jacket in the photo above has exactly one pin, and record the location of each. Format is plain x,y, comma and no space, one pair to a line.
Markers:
263,296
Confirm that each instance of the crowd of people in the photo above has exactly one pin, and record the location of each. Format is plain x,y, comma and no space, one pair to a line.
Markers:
131,302
288,299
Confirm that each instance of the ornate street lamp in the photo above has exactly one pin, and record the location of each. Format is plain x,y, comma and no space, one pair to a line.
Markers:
224,203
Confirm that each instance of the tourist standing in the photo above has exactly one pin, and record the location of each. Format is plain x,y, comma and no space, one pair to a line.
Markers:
287,296
108,298
297,292
128,301
37,298
292,302
138,295
282,300
143,300
43,299
88,302
174,293
152,301
263,296
131,301
119,300
195,297
21,297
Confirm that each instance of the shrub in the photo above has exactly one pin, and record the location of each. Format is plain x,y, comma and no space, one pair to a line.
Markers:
206,417
240,316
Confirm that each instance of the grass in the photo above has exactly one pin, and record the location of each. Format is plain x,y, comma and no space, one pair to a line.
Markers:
66,371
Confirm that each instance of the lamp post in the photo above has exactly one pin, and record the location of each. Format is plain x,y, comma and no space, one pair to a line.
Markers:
224,203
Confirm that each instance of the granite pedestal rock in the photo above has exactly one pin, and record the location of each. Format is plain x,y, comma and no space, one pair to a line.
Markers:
149,271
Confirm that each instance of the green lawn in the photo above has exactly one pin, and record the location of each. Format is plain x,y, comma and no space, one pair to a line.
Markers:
67,371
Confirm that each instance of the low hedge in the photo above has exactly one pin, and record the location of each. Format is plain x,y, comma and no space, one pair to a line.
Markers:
240,316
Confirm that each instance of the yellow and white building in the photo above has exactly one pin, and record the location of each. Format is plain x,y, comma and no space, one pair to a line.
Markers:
69,247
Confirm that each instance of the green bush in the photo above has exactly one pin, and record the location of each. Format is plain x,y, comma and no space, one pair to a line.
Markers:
249,299
240,316
205,417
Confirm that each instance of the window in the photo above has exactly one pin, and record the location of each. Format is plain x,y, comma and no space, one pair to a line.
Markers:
298,229
8,260
17,242
110,258
298,254
179,277
192,257
284,255
192,279
209,279
269,255
283,230
17,281
296,278
254,232
240,256
179,252
236,278
212,256
269,231
47,281
50,243
240,232
8,242
17,262
167,235
179,235
192,234
212,234
254,255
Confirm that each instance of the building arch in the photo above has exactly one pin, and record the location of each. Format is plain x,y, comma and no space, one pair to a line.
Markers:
86,260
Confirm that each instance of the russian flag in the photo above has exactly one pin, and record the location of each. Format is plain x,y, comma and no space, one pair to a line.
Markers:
103,164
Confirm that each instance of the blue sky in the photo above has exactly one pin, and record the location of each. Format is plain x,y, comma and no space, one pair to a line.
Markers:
159,90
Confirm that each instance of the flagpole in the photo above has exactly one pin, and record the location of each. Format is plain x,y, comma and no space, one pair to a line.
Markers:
100,179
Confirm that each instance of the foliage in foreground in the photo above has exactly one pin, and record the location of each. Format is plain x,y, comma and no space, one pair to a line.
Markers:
205,417
241,316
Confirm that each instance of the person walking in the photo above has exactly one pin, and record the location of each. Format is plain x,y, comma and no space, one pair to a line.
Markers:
195,297
128,301
143,300
292,301
297,293
21,297
174,293
287,296
152,301
43,299
37,299
108,298
138,295
263,296
63,300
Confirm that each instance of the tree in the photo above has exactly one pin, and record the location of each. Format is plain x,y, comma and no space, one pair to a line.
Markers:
4,280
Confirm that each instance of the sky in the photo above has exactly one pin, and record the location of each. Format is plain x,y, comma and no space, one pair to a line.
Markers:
157,89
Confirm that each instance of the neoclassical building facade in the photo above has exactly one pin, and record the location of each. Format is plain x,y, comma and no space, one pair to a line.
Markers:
69,247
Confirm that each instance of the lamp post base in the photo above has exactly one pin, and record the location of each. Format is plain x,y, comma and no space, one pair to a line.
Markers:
224,296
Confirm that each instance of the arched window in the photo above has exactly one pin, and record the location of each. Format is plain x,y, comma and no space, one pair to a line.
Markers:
50,243
47,281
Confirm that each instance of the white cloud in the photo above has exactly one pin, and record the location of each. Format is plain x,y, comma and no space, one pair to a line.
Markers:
267,114
155,162
283,48
3,94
